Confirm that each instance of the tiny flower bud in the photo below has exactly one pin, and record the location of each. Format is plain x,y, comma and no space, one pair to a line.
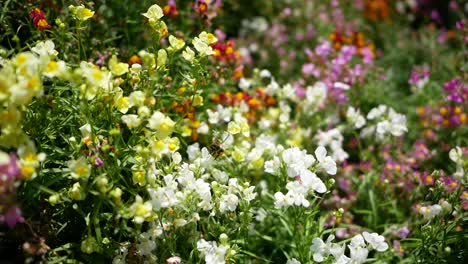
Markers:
223,238
54,199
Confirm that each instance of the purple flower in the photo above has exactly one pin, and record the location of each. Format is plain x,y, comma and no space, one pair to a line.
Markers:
11,168
450,184
12,216
398,248
367,55
308,69
98,162
347,52
323,49
403,232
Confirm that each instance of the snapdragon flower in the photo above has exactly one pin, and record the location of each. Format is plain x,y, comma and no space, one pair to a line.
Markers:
154,13
355,117
376,241
429,212
358,248
326,162
296,160
213,253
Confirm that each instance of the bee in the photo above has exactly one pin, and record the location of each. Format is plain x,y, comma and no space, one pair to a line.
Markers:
215,149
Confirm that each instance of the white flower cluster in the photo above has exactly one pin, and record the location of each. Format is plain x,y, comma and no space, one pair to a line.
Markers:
334,140
431,211
316,95
388,122
296,164
355,118
358,248
213,253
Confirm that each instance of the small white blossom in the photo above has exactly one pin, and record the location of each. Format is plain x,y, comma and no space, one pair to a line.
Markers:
326,162
376,241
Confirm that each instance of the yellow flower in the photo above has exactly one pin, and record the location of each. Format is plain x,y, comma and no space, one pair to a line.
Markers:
154,13
122,103
208,38
117,68
29,160
162,57
233,128
81,12
161,124
197,100
202,47
148,59
140,210
79,168
139,177
55,69
176,43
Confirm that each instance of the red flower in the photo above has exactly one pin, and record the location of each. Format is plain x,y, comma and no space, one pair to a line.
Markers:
39,19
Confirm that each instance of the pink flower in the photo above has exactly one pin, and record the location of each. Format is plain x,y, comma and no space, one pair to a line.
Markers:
12,216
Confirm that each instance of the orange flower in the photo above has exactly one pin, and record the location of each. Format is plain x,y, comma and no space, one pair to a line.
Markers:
134,59
39,19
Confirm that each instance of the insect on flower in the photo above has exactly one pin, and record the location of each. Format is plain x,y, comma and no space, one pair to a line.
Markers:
216,149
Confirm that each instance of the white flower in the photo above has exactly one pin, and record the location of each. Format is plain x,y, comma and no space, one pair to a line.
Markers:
358,254
188,54
377,112
398,123
265,73
355,117
340,85
383,127
260,214
244,84
317,94
213,253
310,180
321,249
132,121
137,98
376,241
326,162
228,202
282,200
296,161
207,37
293,261
358,241
248,194
46,50
431,211
272,166
456,154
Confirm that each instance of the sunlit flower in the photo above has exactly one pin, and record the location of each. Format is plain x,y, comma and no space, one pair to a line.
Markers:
79,168
176,43
81,13
376,241
154,13
140,210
